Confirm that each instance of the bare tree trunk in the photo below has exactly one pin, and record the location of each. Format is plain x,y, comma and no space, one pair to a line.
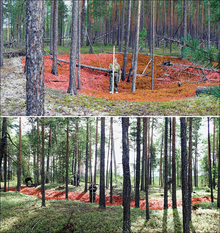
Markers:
73,51
79,44
190,169
171,24
83,16
19,159
184,176
67,158
218,199
111,188
126,42
126,176
174,164
4,147
96,148
35,58
152,43
122,28
137,194
42,164
1,33
87,153
209,28
102,166
51,26
165,166
136,48
55,35
48,156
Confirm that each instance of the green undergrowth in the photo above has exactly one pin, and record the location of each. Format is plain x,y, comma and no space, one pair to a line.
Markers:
24,213
197,106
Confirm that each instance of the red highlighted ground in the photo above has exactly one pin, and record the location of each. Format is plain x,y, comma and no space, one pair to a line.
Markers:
117,200
96,83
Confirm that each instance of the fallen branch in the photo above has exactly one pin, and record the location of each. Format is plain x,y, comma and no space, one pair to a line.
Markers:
147,66
15,53
52,58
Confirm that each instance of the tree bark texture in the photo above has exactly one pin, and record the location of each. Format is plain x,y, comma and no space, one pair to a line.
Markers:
218,199
87,153
73,50
102,166
137,194
126,42
51,26
174,163
184,176
190,168
35,58
55,36
19,159
166,166
42,166
126,175
67,158
1,33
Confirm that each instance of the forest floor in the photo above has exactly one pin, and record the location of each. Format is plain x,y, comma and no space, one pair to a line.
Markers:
95,100
24,213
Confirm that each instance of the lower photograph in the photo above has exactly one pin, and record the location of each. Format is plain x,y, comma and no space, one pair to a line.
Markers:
110,174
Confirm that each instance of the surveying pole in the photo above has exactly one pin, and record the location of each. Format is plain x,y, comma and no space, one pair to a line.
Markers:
113,70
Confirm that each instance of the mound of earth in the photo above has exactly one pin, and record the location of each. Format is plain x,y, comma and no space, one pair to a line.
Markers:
166,78
116,200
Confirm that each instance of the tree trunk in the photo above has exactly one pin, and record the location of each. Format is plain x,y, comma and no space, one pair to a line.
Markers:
35,58
87,153
79,44
161,164
38,150
122,28
111,188
210,164
195,168
171,24
152,43
165,166
136,45
73,51
190,169
126,175
67,158
174,164
96,149
1,33
83,16
51,26
3,143
126,42
184,22
209,28
145,150
137,194
102,166
184,176
213,155
42,164
48,156
218,199
55,36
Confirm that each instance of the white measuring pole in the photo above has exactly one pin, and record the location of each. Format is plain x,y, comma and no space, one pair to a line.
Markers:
113,69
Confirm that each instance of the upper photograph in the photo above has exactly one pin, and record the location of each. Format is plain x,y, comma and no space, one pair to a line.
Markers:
109,58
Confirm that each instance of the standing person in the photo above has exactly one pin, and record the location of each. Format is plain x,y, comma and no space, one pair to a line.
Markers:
169,179
92,190
28,179
117,74
76,179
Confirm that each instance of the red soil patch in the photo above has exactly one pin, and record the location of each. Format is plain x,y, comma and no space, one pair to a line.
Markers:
117,200
96,83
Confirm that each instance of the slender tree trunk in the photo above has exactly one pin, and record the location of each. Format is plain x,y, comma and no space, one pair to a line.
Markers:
213,155
19,159
137,194
195,168
152,43
67,158
87,153
79,44
48,156
165,166
51,26
55,36
126,175
4,146
184,176
184,22
174,164
96,148
123,76
171,24
218,198
83,16
136,45
145,130
170,142
38,150
210,164
209,28
1,33
73,51
122,28
142,169
35,58
161,163
102,166
42,164
190,168
111,188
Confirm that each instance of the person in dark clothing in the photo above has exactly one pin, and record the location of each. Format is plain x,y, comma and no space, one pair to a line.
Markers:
76,179
28,179
92,190
169,181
